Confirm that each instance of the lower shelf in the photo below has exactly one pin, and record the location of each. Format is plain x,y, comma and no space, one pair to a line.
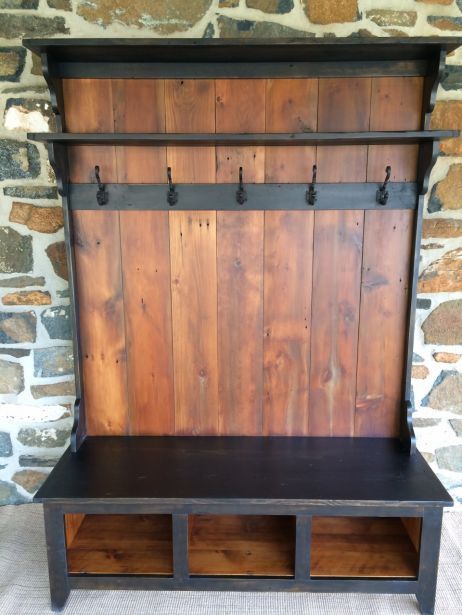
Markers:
371,547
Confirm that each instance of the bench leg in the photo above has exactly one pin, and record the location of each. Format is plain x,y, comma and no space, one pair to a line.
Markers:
56,553
429,555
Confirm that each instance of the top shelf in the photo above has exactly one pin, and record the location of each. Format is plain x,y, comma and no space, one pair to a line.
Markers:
313,138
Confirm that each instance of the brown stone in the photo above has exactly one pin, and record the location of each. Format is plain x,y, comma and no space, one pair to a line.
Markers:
60,5
11,378
444,275
420,372
429,457
17,327
447,115
57,389
444,2
56,252
163,16
447,193
331,11
27,297
446,393
36,218
441,227
445,23
385,17
446,357
11,63
228,4
270,6
444,325
30,480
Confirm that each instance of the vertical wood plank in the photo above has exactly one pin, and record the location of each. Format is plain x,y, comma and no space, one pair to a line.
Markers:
383,315
343,105
194,314
334,322
99,283
291,106
88,108
240,107
190,107
396,104
148,318
240,321
139,106
288,283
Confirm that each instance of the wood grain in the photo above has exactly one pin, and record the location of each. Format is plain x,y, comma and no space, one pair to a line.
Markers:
99,283
240,107
396,104
291,106
190,107
383,316
194,314
230,545
88,108
72,523
148,317
288,286
122,544
334,321
362,547
344,105
240,321
139,106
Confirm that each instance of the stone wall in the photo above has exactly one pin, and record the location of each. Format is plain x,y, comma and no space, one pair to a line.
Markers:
36,383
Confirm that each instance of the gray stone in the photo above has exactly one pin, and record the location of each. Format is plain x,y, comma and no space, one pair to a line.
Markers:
416,358
31,192
6,448
56,361
17,327
35,461
11,377
22,25
19,4
12,61
21,281
271,6
456,424
9,494
450,458
452,77
56,321
424,422
209,31
56,389
244,28
424,304
446,393
18,160
60,5
15,352
28,105
15,251
43,437
63,294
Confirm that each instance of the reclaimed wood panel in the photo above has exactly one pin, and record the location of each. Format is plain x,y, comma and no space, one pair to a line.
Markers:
102,326
240,107
343,105
148,318
334,321
396,104
190,107
383,320
72,523
240,321
291,106
122,544
287,326
139,106
362,547
248,545
88,108
194,315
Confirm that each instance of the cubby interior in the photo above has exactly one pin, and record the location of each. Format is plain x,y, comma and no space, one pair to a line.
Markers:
372,547
242,545
119,544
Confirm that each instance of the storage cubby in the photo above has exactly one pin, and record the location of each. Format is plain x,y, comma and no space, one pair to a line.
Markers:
242,545
372,547
119,544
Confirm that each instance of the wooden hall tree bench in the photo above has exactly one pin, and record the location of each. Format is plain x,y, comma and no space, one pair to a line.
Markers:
243,224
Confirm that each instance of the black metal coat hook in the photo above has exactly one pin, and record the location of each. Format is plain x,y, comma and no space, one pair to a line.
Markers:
172,194
382,192
102,197
311,194
241,194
